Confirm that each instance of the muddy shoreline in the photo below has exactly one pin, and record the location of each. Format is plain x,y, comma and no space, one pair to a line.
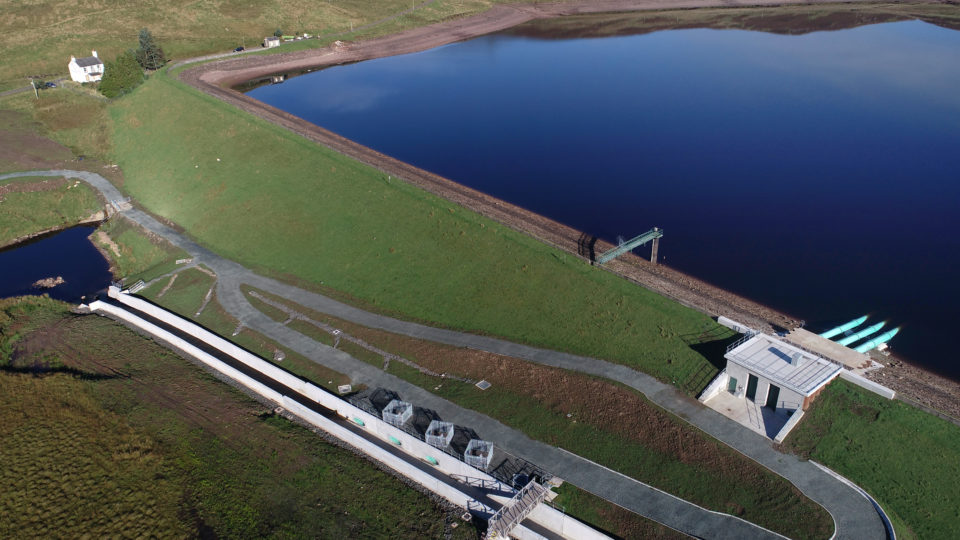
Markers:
217,78
96,217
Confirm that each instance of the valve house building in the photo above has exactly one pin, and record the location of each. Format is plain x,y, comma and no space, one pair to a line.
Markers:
776,374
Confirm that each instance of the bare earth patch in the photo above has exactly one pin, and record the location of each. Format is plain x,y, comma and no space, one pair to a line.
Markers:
22,149
32,187
105,240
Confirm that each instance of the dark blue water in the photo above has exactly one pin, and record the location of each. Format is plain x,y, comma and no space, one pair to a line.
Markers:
818,174
67,253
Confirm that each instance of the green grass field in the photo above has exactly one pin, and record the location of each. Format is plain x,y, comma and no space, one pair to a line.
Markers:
338,219
608,517
701,469
133,253
672,456
580,504
217,320
186,28
187,293
106,434
905,458
23,213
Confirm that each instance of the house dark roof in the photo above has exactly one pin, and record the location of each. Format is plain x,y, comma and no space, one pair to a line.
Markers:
88,61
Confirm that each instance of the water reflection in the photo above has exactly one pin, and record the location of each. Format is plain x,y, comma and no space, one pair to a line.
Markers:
815,173
68,255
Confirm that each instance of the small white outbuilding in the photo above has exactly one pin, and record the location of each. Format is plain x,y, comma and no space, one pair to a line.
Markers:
87,69
775,374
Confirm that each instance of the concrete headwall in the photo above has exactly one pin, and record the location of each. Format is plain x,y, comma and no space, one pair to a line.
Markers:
788,427
863,382
718,384
737,327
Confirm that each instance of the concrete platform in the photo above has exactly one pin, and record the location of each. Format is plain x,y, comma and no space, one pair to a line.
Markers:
828,349
761,420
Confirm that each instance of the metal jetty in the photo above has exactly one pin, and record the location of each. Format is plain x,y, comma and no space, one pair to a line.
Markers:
653,235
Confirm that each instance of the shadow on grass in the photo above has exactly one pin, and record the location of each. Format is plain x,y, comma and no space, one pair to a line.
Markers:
711,345
42,369
586,246
714,349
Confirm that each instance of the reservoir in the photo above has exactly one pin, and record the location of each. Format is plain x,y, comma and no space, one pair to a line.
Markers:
67,254
817,173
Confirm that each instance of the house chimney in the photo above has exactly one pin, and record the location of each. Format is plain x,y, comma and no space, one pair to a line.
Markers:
72,58
95,54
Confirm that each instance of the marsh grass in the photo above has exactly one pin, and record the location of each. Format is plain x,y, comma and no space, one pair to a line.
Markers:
26,213
155,447
68,465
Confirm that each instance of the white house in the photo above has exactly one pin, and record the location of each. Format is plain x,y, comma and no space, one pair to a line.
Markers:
88,69
271,41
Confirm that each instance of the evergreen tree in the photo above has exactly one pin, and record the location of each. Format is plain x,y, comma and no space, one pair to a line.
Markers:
150,55
122,75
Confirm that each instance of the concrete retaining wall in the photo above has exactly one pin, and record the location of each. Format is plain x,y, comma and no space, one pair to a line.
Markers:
737,327
718,384
791,423
543,515
406,469
863,382
179,343
372,424
251,360
564,525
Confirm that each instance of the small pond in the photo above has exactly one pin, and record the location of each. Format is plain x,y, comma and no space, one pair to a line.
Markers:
67,254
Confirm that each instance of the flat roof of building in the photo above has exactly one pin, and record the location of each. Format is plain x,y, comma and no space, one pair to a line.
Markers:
783,364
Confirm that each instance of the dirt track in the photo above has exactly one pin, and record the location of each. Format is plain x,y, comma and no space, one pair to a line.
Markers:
217,78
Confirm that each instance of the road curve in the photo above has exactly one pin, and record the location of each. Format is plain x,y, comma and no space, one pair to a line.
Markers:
854,516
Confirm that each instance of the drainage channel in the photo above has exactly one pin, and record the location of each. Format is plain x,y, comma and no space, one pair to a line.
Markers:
477,493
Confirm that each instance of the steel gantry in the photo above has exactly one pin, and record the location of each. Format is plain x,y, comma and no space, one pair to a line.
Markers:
653,234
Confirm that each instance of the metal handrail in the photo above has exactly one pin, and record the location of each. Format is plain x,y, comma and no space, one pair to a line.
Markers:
740,341
511,514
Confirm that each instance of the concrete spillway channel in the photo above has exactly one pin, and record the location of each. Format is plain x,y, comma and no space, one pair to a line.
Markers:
481,497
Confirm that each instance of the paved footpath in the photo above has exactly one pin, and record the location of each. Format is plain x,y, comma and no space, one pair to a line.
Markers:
854,516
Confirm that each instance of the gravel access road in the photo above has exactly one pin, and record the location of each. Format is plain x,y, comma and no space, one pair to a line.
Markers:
854,516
